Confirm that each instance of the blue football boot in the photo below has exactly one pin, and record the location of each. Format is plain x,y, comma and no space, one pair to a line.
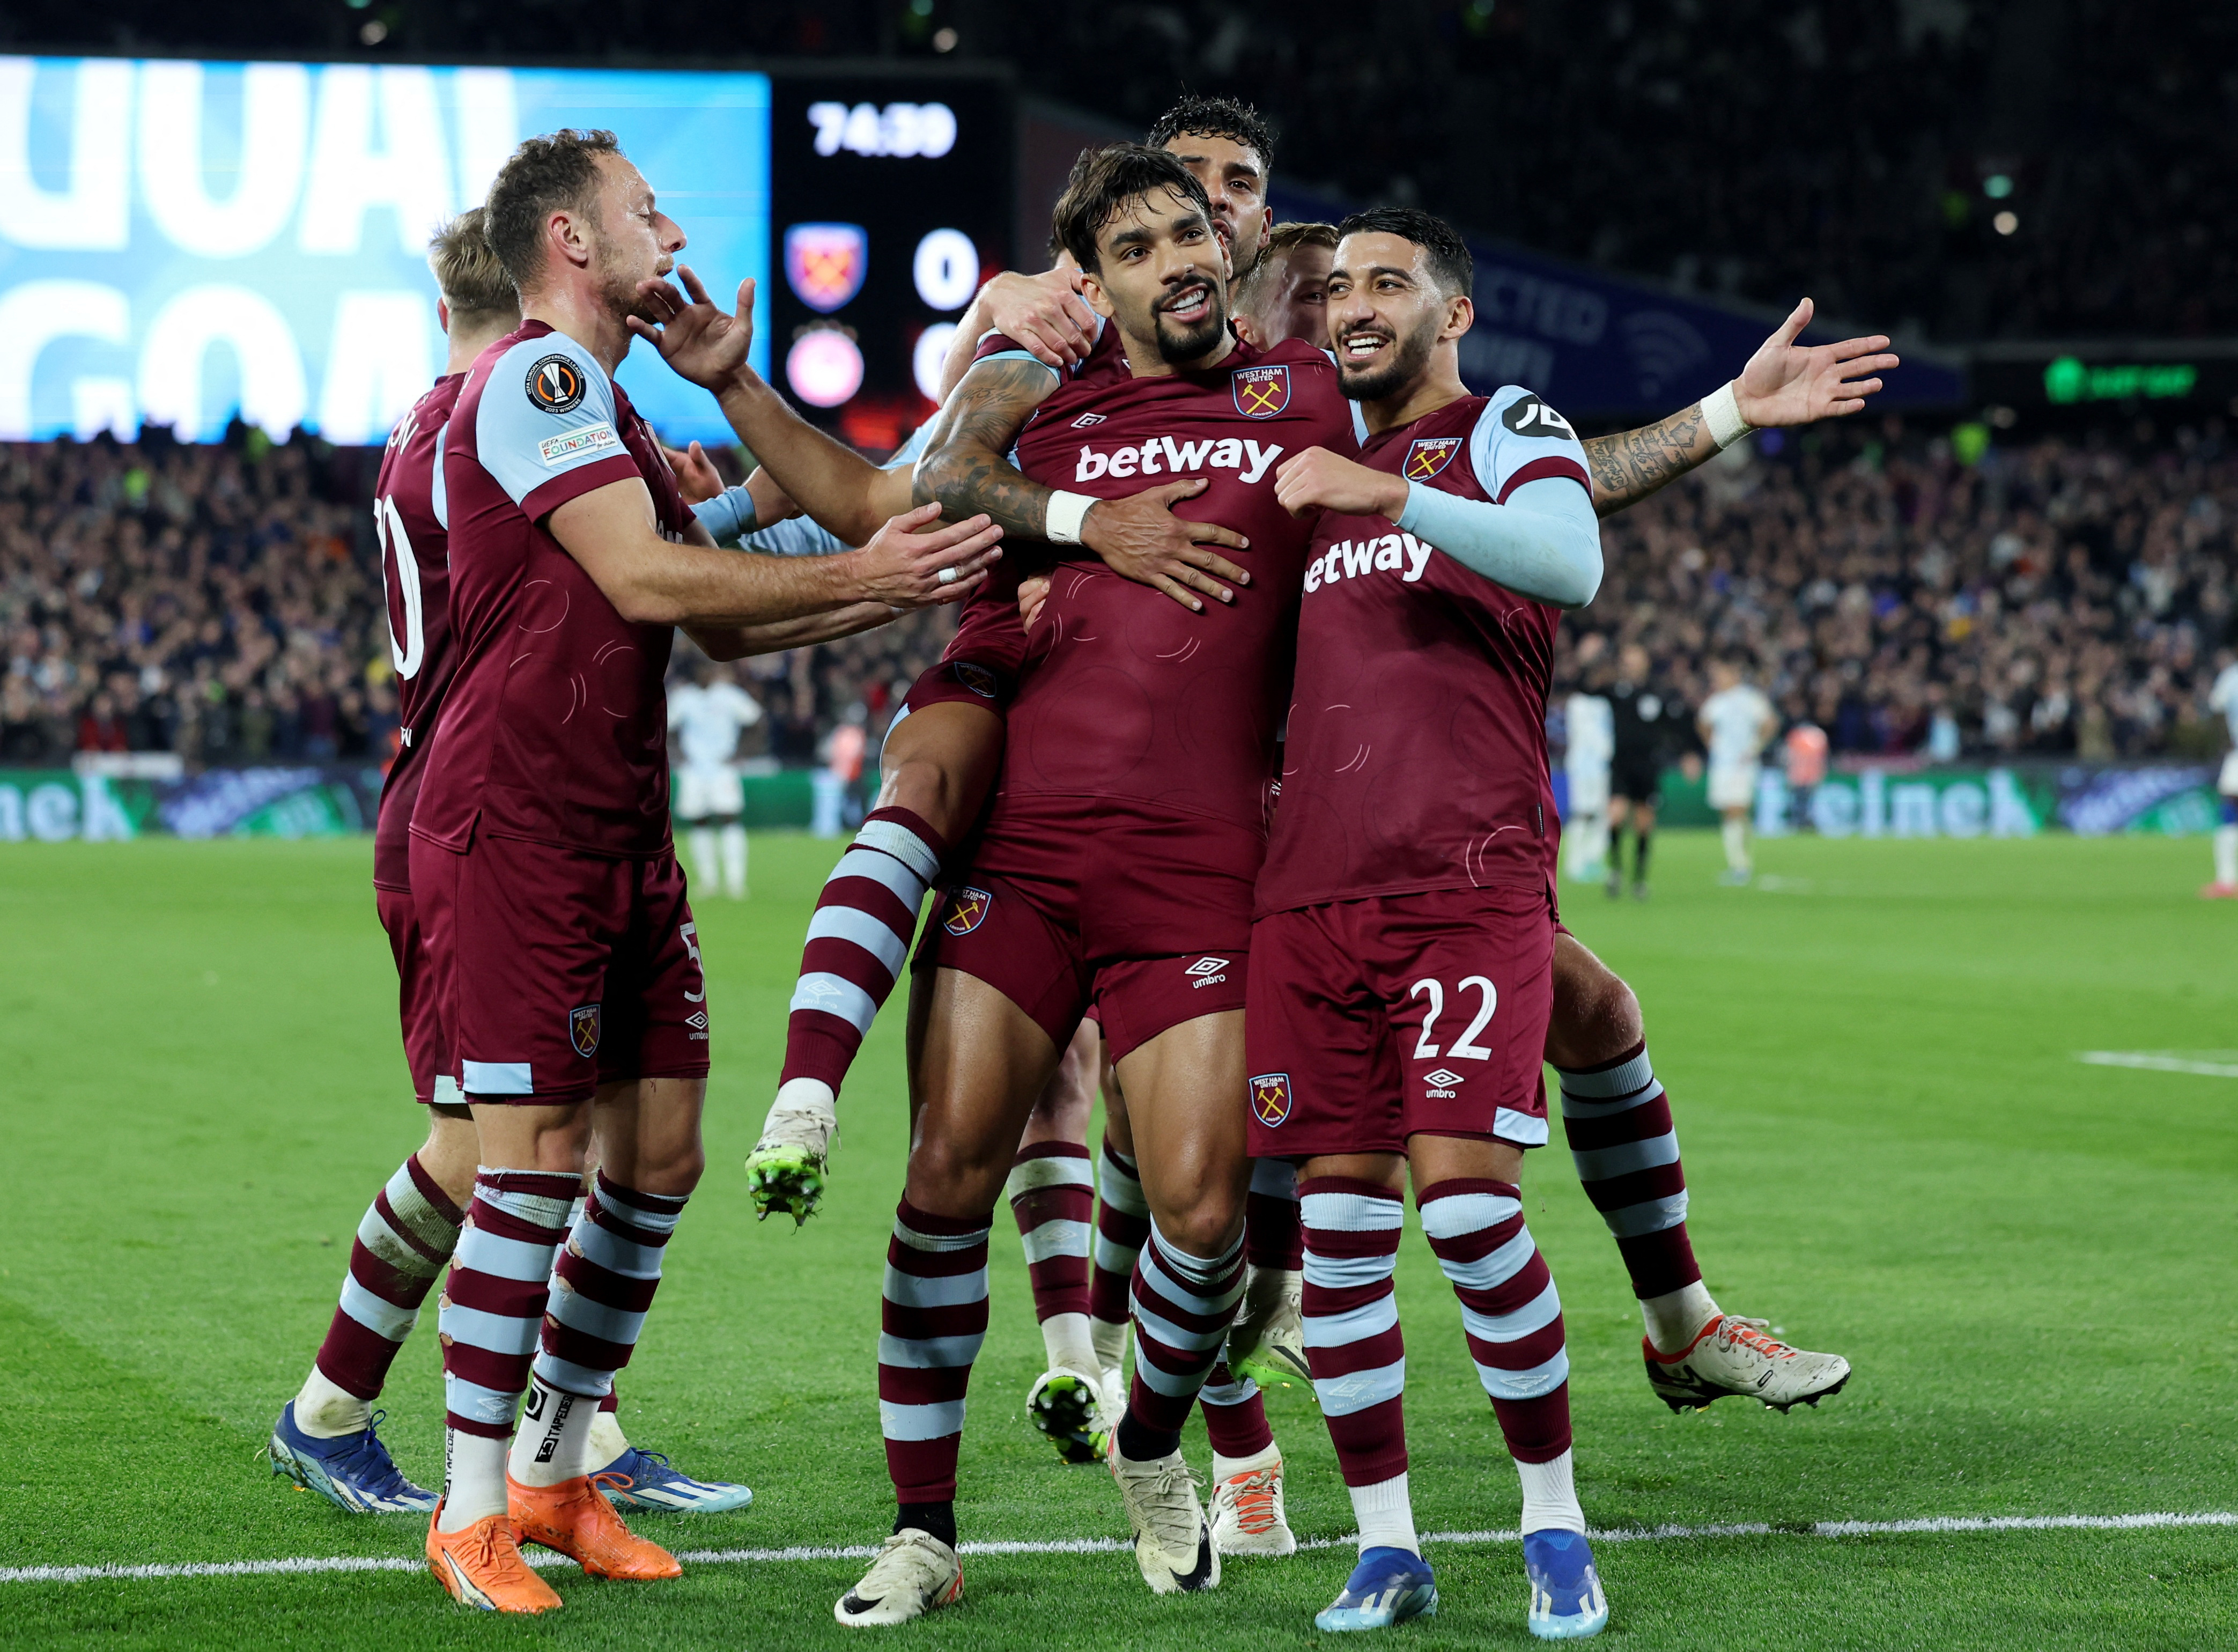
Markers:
1387,1586
1567,1603
647,1481
352,1471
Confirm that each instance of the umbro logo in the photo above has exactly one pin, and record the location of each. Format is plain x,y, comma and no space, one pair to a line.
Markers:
1086,420
1442,1083
1208,970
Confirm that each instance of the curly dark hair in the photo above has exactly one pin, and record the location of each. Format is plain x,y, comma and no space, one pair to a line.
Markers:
1227,117
1452,266
559,170
1103,181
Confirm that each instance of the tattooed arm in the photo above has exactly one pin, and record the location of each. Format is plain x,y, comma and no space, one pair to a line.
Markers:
967,468
1783,383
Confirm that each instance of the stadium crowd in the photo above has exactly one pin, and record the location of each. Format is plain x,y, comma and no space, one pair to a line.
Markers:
2056,595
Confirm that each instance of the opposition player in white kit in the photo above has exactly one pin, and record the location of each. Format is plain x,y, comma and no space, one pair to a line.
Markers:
1585,758
1736,722
706,717
2223,697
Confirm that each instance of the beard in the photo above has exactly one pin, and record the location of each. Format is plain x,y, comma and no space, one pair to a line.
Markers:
1402,365
618,290
1178,347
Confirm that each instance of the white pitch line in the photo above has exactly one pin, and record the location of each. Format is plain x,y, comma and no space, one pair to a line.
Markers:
1938,1524
2154,1061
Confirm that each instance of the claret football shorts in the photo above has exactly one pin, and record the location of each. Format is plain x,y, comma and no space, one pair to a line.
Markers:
1144,913
1370,1021
427,1053
558,971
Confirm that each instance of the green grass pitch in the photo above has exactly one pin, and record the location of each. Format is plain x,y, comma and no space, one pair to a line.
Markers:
1892,1149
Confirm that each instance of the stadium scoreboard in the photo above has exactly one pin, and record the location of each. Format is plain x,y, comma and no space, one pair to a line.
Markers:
182,242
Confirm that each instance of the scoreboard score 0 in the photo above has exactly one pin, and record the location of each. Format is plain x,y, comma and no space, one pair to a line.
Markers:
891,200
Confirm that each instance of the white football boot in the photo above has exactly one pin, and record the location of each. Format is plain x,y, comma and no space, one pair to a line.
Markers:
914,1573
1731,1354
1246,1514
787,1168
1172,1540
1067,1407
1268,1342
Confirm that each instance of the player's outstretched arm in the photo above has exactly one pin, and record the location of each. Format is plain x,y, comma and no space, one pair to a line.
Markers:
966,469
650,580
1044,315
1783,384
704,344
1543,543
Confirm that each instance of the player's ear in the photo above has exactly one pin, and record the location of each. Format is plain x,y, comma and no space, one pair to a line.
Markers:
1246,330
1092,291
1460,315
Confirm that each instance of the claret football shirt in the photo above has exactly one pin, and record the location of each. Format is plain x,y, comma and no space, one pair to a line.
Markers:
1417,750
1125,693
411,524
557,726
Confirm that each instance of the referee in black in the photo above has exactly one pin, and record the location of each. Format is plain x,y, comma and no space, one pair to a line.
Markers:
1645,719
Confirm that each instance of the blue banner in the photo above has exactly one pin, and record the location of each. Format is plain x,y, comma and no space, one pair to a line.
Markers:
179,242
1596,344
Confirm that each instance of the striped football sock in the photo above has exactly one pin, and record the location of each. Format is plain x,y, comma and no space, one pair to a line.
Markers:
1512,1316
1618,1120
598,1297
403,1240
1052,1197
492,1306
1122,1225
1183,1305
1234,1420
934,1319
857,941
1354,1343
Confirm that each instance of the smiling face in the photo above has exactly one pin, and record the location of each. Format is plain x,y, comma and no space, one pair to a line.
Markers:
632,240
1387,315
1161,274
1235,179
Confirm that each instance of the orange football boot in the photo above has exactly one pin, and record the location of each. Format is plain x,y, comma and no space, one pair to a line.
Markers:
481,1566
575,1519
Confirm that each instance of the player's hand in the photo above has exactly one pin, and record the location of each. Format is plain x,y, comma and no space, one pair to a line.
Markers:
902,565
773,504
1141,539
696,476
697,338
1787,383
1044,314
1319,480
1033,591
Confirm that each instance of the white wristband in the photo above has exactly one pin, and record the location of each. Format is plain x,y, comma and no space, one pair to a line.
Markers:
1722,409
1061,526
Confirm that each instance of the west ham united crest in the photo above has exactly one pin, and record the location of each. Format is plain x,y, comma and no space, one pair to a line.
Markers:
967,910
1270,1097
584,1024
1429,456
826,262
1260,391
975,677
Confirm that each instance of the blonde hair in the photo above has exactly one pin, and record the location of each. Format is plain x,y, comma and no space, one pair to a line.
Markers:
474,283
1281,241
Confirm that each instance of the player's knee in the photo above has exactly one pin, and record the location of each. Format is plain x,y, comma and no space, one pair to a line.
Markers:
953,1178
1596,1018
1205,1226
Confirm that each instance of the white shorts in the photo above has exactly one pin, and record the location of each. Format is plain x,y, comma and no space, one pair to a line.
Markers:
708,793
2227,782
1732,785
1589,790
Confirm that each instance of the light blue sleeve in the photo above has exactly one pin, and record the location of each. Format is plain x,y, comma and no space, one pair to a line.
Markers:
547,411
800,535
439,491
1543,543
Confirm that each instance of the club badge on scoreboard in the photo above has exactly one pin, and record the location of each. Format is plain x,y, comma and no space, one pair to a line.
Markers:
825,263
1260,391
